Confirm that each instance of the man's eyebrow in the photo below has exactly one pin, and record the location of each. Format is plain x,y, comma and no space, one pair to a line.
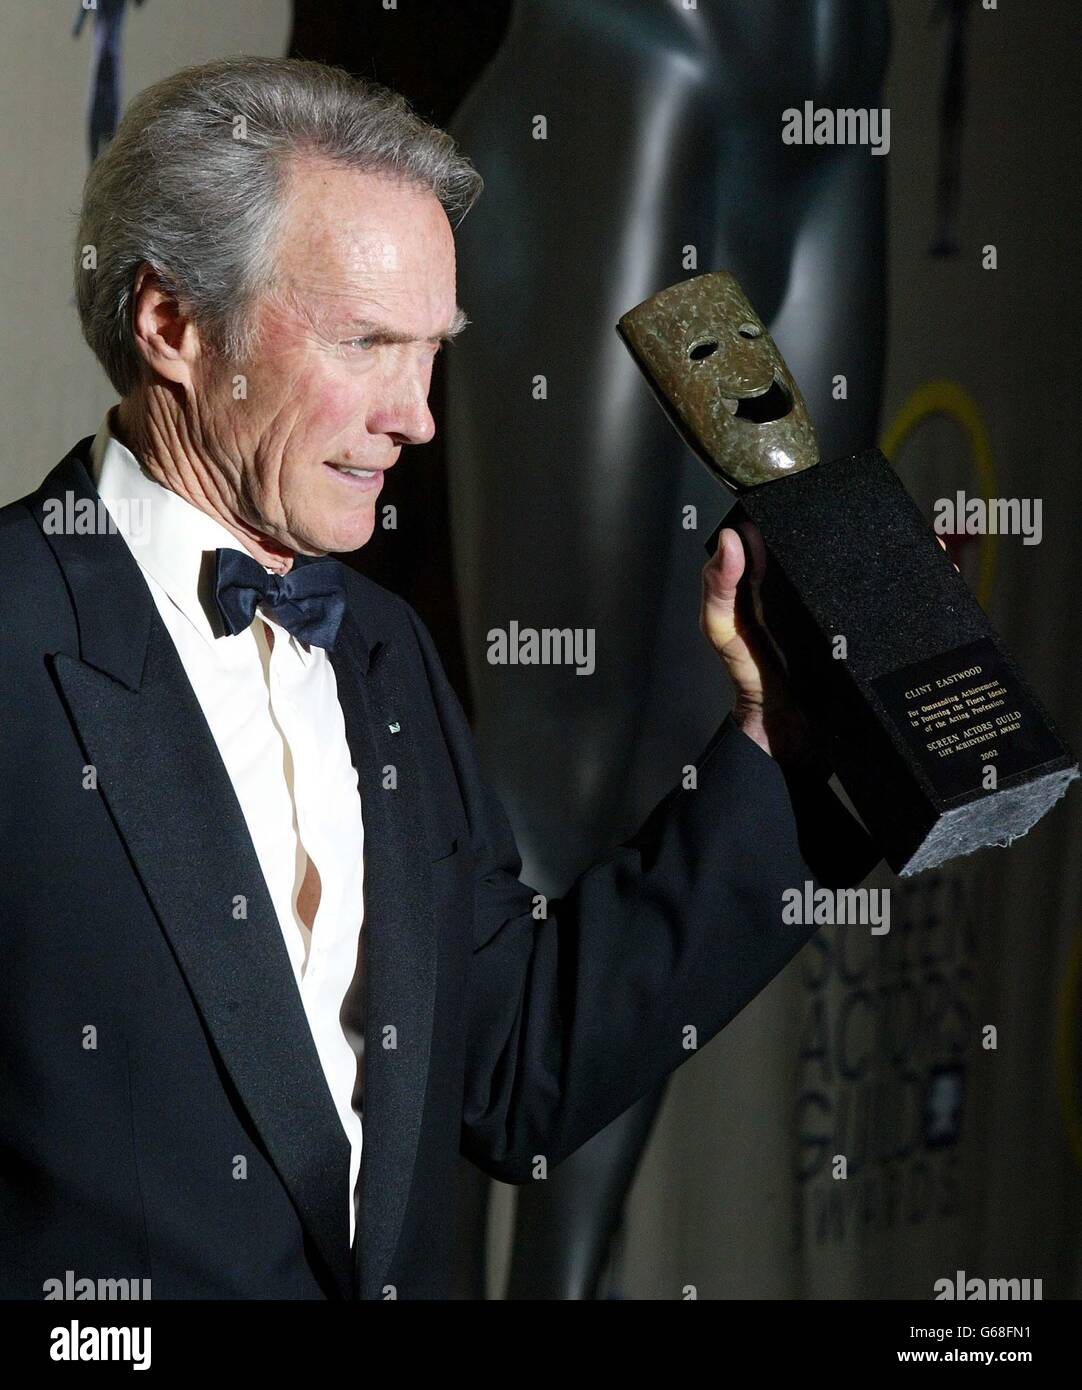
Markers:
372,328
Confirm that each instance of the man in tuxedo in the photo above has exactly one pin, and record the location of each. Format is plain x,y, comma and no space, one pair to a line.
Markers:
268,967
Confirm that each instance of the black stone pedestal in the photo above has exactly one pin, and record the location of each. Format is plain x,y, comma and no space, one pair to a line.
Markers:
919,697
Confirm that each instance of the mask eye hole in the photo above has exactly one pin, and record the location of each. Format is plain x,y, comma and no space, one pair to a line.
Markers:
703,348
750,330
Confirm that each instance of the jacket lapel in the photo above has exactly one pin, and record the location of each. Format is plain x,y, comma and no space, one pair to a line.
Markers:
168,792
399,939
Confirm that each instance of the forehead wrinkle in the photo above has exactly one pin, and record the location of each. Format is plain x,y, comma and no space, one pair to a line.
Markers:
315,303
327,305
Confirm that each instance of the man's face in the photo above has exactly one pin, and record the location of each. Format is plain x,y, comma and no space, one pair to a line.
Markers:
364,291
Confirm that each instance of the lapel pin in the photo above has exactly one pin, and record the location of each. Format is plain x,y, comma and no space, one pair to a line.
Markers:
395,727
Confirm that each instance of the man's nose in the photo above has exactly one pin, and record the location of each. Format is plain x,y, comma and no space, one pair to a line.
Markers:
405,414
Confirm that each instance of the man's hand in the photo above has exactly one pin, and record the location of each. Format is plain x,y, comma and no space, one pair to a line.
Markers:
731,620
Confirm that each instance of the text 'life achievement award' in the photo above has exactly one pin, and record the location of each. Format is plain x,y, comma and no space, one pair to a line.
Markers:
925,699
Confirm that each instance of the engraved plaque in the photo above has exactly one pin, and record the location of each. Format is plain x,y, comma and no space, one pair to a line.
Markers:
962,711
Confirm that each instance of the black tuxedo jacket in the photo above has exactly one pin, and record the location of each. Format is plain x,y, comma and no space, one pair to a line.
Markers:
163,1114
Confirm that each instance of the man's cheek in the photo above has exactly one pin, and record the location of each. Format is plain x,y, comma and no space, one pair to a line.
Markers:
336,406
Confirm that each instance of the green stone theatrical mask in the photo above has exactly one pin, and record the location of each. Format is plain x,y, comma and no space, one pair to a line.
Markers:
721,380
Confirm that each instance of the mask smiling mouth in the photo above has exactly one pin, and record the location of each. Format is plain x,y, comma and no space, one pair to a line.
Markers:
772,404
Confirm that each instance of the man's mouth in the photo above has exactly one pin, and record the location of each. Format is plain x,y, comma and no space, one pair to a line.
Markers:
359,475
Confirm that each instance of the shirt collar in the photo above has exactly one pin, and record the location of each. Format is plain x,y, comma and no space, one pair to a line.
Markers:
168,536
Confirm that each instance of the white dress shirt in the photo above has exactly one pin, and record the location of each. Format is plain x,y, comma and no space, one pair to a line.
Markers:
273,711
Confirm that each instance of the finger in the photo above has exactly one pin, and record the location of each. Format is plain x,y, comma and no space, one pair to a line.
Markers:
723,573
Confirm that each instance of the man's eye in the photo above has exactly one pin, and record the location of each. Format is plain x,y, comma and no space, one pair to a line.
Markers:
359,342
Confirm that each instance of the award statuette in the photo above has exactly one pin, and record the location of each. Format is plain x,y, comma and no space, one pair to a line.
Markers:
921,699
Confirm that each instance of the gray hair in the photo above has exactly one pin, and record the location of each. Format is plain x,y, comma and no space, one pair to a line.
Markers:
192,185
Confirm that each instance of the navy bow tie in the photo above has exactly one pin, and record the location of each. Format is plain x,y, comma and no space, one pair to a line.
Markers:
309,601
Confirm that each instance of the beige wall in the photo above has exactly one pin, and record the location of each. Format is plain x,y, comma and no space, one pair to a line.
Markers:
51,389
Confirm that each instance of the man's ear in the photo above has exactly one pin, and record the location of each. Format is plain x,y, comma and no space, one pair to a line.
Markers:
167,338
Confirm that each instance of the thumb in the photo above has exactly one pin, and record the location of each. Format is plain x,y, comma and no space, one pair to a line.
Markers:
721,579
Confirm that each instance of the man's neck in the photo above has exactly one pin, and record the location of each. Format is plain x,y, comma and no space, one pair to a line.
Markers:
170,458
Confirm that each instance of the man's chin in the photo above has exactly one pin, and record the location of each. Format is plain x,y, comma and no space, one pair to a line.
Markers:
342,535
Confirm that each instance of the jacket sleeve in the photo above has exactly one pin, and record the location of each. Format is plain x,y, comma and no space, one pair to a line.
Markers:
581,1005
